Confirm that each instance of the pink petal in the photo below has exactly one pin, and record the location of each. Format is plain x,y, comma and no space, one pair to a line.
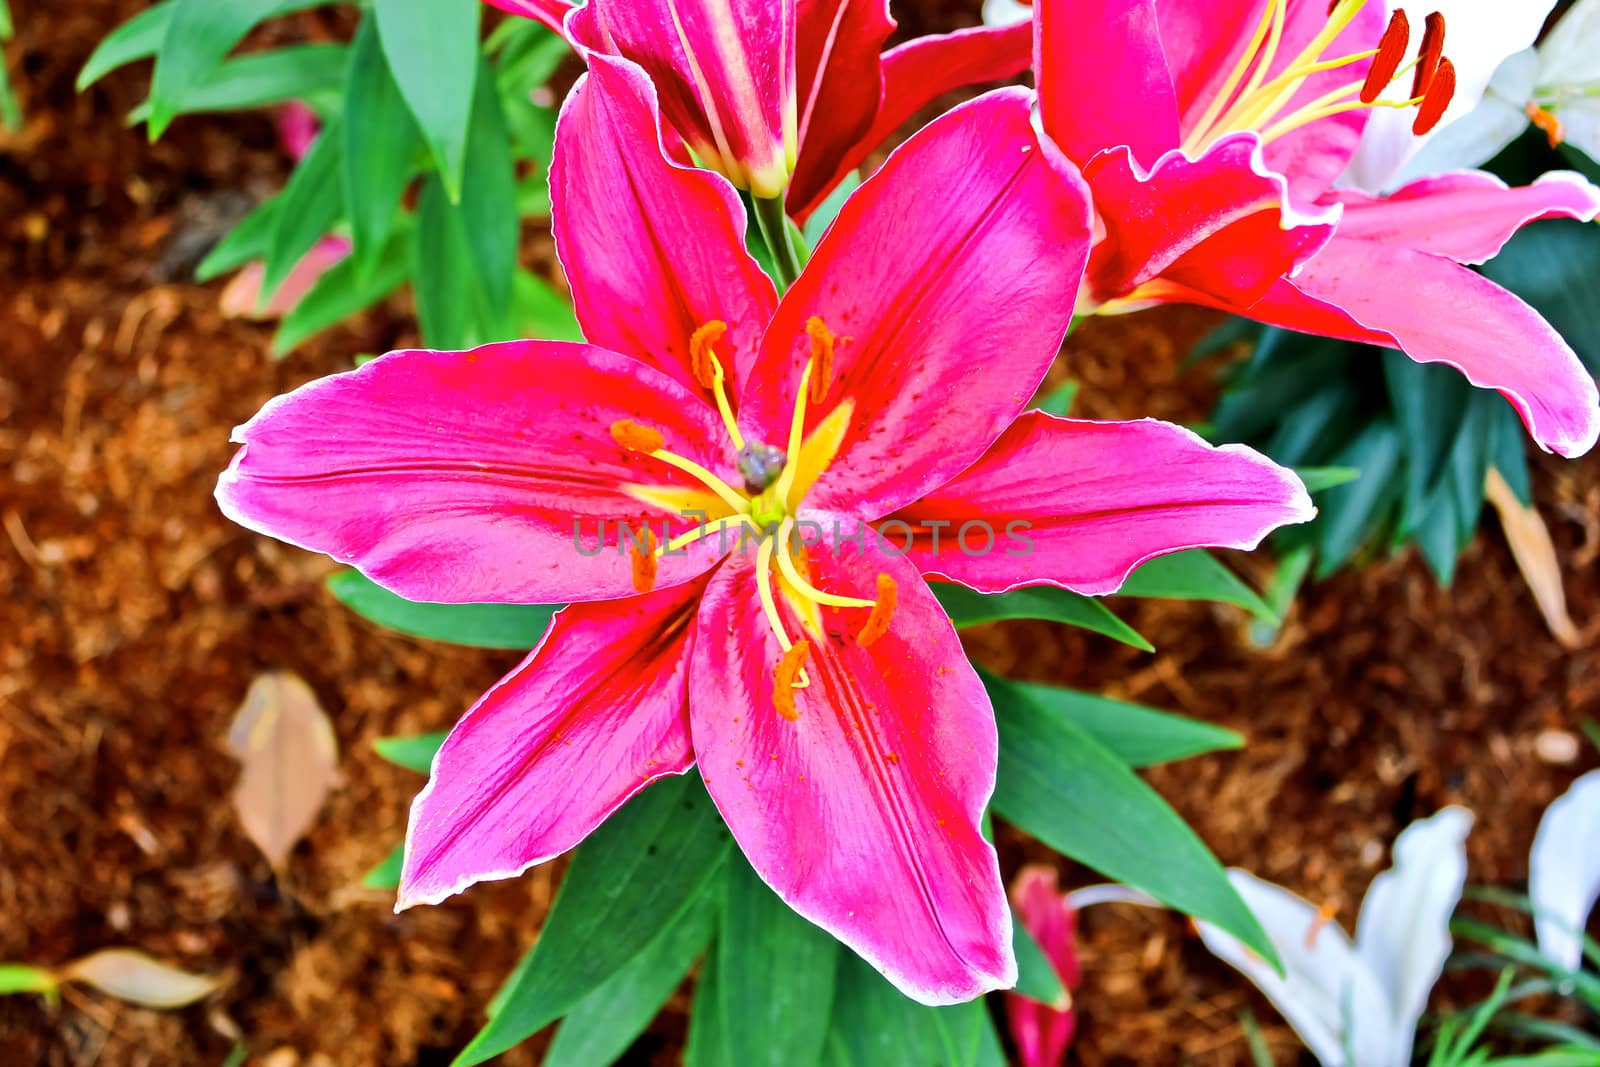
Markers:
1103,78
653,250
475,477
915,74
840,78
549,12
594,714
1222,224
725,70
1081,504
1467,216
1042,1033
1439,312
242,296
298,126
863,811
947,319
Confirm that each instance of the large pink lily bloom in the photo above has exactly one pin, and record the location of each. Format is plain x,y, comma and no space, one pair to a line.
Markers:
784,97
1212,132
793,460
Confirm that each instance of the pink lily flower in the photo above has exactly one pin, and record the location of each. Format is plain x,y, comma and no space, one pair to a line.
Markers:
1043,1032
1212,135
793,460
784,97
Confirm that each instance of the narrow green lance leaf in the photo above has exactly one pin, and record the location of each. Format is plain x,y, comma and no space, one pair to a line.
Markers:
1351,512
342,292
1059,784
1136,735
537,310
777,972
198,34
1321,479
603,1024
136,39
515,626
874,1025
450,303
630,880
432,47
967,608
386,875
21,978
246,241
414,752
489,198
380,141
263,79
1194,575
707,1042
310,205
1036,975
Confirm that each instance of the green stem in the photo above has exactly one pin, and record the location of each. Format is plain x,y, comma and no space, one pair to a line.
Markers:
773,222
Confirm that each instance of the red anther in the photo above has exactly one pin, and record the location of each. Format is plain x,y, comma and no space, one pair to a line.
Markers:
1429,55
1391,50
1438,98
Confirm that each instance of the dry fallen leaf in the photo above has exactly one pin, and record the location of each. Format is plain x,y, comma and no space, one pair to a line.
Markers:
285,742
1535,554
132,976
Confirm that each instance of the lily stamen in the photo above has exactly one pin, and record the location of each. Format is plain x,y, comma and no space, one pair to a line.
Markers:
700,533
708,372
791,667
800,585
649,441
877,623
646,562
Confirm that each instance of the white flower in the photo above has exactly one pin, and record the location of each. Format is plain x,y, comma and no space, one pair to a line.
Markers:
1564,871
1357,1003
1006,12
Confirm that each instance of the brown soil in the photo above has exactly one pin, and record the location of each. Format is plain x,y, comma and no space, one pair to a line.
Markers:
135,618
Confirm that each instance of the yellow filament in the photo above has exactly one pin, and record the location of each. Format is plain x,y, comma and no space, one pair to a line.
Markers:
769,603
797,429
709,373
730,497
798,582
700,533
1329,104
1214,110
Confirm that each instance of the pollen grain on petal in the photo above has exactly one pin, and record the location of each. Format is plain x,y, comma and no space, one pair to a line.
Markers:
1440,92
1430,55
702,354
786,677
822,346
1391,51
645,562
877,623
636,437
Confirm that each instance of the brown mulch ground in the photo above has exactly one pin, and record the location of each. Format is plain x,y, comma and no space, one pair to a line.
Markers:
134,618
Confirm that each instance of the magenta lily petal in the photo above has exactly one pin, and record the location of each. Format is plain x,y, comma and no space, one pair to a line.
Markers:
863,811
603,701
839,67
915,74
1222,224
549,12
474,477
1082,504
1354,289
653,250
1043,1032
1103,78
1467,216
725,72
946,320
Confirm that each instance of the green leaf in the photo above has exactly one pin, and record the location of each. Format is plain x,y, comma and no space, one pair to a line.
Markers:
1057,401
386,875
136,39
380,141
7,29
514,626
1469,461
10,110
1552,265
1430,403
633,877
874,1025
245,242
1194,575
489,198
777,972
1350,513
414,752
1321,479
20,978
198,34
308,208
603,1024
1059,784
967,608
262,79
450,307
432,47
820,219
1036,975
707,1042
342,292
1136,735
1508,451
537,310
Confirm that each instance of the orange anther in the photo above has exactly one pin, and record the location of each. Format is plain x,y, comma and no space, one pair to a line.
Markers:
877,623
645,561
636,438
1391,50
702,358
1430,55
1552,127
1324,916
822,342
1440,92
784,678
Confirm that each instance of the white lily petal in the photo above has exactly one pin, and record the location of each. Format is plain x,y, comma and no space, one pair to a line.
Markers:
1480,134
1005,12
1403,933
1327,993
1479,36
1570,55
1564,871
1581,119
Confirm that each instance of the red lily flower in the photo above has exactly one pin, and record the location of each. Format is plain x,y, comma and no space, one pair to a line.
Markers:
1212,152
1043,1032
794,461
784,97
